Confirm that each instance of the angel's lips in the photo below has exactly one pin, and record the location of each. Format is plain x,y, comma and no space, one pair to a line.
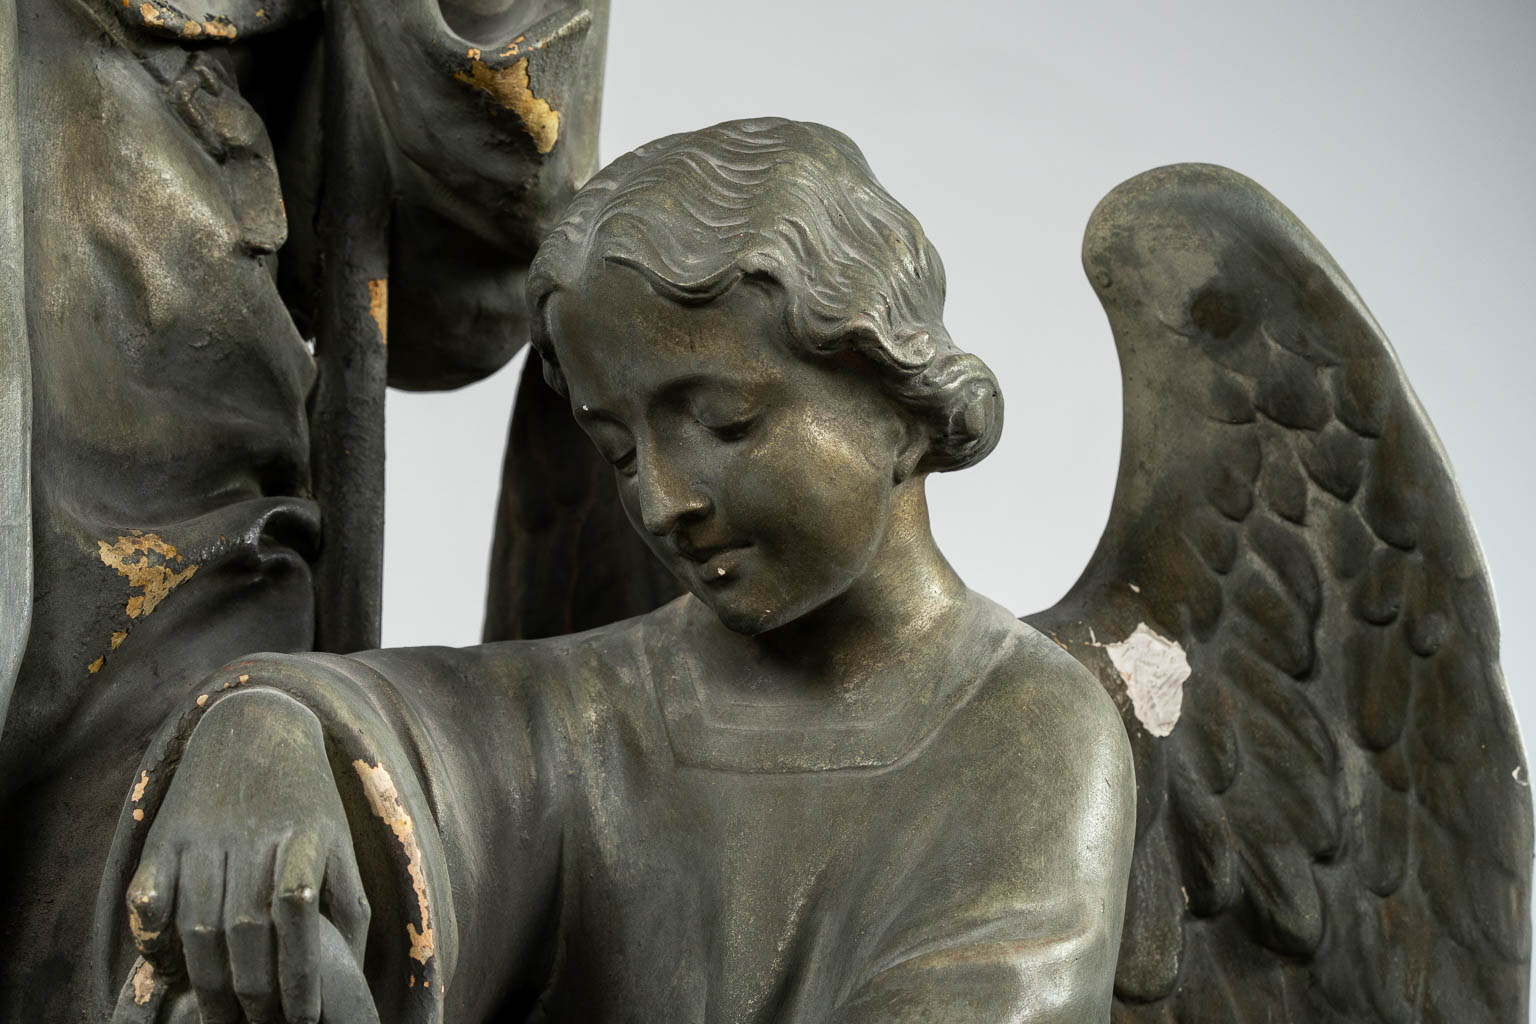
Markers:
715,565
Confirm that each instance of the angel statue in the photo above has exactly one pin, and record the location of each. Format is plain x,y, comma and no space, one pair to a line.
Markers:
831,783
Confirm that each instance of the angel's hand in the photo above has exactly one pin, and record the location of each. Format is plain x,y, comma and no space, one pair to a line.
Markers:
250,840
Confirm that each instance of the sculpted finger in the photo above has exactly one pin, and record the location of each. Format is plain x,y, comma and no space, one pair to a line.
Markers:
199,919
347,999
151,900
346,902
248,937
296,917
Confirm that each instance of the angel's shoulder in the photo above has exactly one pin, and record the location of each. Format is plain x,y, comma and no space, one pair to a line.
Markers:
1052,712
1047,757
1049,688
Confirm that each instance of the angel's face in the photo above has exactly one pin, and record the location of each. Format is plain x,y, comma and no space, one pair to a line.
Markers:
763,479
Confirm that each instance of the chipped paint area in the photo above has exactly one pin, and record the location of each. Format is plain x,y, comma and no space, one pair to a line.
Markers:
384,798
1154,669
167,19
509,87
378,306
138,794
220,28
141,934
143,982
151,566
229,684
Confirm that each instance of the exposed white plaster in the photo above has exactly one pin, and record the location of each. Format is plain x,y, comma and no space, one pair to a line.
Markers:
1154,669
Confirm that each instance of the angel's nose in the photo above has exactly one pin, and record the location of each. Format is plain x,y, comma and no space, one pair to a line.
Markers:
668,495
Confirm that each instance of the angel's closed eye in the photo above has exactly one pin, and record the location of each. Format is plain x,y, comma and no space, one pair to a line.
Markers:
729,418
623,462
731,431
612,440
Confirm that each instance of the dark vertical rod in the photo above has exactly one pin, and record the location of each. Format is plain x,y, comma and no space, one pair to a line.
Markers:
347,409
15,379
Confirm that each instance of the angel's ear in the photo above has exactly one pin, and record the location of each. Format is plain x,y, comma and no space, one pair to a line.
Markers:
912,446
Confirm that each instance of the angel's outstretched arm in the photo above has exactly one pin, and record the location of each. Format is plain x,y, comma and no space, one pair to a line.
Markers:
249,838
305,783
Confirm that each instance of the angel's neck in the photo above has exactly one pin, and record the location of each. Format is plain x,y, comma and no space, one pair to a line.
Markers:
895,619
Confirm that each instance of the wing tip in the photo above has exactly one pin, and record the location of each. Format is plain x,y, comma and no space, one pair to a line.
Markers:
1187,200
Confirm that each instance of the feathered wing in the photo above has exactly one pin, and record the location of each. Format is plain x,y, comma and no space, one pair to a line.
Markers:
564,558
1334,814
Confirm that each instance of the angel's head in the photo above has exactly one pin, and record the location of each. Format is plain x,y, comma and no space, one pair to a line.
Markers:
749,327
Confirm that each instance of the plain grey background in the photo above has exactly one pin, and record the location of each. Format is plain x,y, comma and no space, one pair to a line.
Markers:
1402,134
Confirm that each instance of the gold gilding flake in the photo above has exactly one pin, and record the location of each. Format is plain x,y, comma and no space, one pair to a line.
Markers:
509,88
384,798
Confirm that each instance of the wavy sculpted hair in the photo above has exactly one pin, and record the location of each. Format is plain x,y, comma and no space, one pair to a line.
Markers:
797,204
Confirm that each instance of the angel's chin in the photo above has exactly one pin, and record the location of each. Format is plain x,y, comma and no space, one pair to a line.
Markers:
735,613
747,622
741,612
